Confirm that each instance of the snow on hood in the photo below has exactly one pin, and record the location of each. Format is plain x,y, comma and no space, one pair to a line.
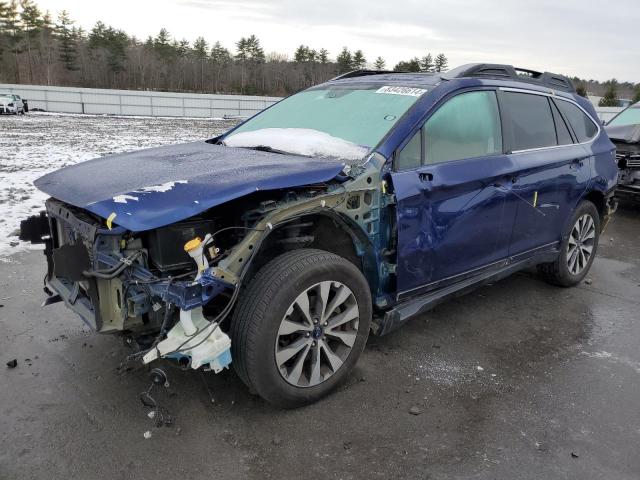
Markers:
301,141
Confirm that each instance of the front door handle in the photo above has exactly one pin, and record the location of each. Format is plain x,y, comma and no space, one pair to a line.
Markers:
505,180
425,176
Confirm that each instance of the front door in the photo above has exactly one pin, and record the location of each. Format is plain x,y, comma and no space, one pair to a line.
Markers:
452,185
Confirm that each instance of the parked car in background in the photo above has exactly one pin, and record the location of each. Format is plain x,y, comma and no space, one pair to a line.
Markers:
12,103
347,208
624,132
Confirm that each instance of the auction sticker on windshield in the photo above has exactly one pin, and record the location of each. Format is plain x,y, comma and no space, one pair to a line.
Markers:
412,92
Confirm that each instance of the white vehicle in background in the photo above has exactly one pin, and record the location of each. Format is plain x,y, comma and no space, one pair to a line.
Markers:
11,103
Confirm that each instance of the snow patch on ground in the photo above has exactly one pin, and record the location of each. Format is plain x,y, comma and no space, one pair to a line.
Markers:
301,141
614,359
37,143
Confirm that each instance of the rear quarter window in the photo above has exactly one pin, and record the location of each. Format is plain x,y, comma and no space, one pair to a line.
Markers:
583,127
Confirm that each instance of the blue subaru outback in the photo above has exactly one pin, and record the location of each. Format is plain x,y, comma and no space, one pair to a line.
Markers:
345,209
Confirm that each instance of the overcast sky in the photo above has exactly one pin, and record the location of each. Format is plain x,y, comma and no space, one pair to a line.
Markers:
592,39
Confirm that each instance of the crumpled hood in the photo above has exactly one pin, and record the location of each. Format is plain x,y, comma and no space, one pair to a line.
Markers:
624,133
151,188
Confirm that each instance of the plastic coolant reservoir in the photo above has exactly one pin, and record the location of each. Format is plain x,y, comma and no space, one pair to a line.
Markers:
214,351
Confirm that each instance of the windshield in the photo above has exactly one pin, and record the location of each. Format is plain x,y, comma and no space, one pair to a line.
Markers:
338,121
630,116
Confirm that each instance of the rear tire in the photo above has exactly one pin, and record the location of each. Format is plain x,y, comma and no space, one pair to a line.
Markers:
310,302
577,250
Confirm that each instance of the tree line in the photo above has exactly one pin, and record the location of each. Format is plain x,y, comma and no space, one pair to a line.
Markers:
37,49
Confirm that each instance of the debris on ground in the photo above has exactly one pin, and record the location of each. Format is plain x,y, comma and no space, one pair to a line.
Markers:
415,410
574,455
12,363
147,435
479,368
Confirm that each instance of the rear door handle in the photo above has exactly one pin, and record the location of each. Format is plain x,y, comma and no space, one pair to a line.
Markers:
426,176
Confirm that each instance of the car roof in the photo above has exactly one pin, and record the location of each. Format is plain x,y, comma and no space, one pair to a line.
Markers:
485,73
400,79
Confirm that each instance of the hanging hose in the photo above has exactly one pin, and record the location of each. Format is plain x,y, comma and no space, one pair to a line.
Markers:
113,272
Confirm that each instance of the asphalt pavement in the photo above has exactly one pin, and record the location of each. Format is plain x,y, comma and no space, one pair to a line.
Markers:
519,379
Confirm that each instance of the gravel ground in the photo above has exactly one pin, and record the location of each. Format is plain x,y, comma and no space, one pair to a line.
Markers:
518,380
35,144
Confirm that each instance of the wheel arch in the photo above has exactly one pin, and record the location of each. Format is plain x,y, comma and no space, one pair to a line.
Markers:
329,231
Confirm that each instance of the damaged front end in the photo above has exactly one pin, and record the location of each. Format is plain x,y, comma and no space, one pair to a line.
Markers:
172,288
626,138
628,157
119,281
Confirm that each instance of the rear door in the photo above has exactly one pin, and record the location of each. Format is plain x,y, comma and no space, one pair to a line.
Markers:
553,169
452,211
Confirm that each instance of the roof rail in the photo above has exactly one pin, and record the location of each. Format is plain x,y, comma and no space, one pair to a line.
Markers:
361,73
509,72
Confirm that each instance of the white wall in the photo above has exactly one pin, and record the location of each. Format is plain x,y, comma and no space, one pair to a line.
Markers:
132,102
607,113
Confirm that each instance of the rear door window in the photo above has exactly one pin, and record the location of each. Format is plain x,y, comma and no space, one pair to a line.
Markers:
583,127
530,120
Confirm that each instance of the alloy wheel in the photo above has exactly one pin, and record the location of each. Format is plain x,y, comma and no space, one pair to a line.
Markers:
317,333
581,244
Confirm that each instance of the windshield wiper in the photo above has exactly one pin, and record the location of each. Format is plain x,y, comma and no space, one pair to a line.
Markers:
267,148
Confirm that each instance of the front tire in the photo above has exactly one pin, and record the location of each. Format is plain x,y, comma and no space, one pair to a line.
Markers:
578,248
300,326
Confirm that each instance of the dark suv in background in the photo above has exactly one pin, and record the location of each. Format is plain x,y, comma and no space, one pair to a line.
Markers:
624,131
347,208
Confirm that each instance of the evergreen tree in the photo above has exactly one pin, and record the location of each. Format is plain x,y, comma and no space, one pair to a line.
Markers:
344,61
610,98
219,54
312,55
30,18
182,48
67,37
301,54
412,65
379,63
10,36
220,57
358,62
636,93
581,89
426,63
323,56
163,45
200,48
254,49
441,63
114,43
